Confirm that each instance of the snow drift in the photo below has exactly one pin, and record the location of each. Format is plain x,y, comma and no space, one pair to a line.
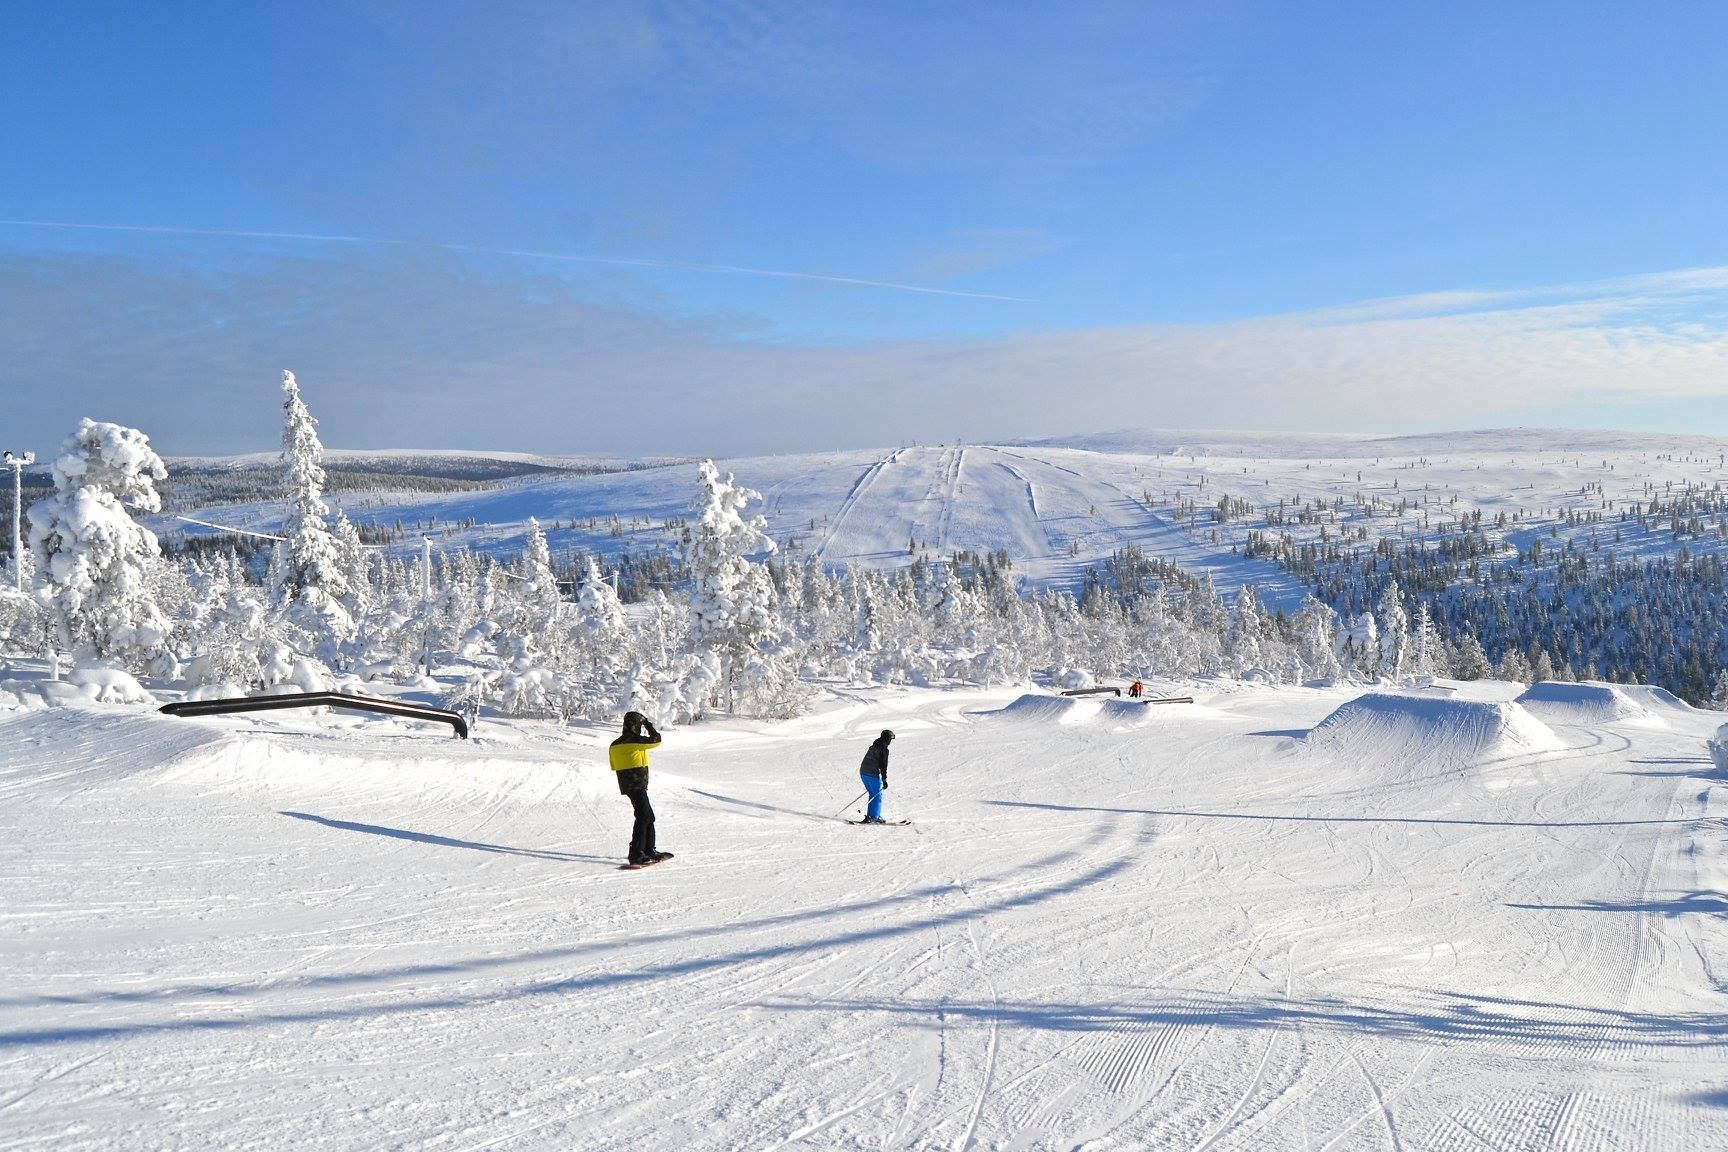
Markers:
1394,729
1587,703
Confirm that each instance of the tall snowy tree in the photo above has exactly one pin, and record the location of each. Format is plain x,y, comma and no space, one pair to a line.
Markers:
1394,634
92,559
313,559
732,600
1313,627
1427,653
1242,639
312,576
1470,661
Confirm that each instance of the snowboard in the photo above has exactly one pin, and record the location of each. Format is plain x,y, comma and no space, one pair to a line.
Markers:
639,867
885,823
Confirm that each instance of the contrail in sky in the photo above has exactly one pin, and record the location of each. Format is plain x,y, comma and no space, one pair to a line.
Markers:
729,269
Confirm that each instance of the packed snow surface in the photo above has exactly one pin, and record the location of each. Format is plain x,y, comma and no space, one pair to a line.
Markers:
1219,927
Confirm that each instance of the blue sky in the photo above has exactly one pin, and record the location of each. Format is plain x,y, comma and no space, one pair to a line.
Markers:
1181,211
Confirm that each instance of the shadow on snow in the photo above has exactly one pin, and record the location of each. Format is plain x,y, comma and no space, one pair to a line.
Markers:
202,1017
447,841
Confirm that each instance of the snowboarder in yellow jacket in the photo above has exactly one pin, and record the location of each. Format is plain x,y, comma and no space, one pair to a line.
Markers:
629,759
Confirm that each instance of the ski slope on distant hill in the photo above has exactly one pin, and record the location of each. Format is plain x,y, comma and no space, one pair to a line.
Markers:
872,509
1061,506
1274,919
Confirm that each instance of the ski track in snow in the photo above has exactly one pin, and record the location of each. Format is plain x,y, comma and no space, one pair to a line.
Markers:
1192,933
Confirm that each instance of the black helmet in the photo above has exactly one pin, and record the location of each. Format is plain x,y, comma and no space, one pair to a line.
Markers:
886,735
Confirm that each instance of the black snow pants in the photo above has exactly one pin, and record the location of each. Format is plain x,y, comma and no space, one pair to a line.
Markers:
642,834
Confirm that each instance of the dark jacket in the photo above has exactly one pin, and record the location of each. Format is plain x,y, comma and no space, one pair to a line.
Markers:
621,753
876,761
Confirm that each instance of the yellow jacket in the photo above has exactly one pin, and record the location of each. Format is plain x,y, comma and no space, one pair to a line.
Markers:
626,754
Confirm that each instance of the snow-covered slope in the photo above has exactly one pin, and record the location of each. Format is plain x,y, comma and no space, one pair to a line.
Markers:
1231,924
1060,506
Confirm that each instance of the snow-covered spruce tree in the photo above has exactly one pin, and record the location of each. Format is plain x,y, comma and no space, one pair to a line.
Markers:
541,604
1718,701
1469,661
1394,657
1242,640
93,560
1427,651
354,565
732,601
1513,667
312,579
1359,646
1313,627
235,642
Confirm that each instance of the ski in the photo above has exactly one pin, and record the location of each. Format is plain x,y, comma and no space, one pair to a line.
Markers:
885,823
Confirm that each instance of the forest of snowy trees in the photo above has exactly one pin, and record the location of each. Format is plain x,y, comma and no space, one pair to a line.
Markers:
724,623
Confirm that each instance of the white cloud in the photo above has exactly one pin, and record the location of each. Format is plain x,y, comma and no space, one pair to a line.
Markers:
403,348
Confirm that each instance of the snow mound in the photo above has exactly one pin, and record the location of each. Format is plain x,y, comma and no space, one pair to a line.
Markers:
1587,703
1656,699
1394,729
1125,712
1718,745
80,688
1038,708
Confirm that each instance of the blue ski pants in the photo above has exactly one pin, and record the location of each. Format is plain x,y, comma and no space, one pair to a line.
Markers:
874,785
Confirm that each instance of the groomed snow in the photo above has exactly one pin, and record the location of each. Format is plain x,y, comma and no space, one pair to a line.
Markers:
1206,926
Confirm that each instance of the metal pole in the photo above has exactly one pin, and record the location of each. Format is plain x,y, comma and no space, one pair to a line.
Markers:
18,463
849,804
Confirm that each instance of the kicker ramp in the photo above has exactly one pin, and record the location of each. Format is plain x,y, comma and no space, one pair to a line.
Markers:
1387,728
1590,703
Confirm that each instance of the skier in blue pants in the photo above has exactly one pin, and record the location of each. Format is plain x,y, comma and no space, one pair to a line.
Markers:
874,772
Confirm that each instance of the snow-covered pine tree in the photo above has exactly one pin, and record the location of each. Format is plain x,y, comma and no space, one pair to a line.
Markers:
1313,627
1719,691
92,559
1359,646
312,576
1242,640
1394,640
1427,652
1513,667
732,598
1470,661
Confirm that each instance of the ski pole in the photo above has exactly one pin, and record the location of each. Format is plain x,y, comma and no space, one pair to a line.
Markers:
849,804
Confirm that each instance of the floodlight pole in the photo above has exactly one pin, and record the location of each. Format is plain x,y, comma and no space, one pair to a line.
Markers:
18,462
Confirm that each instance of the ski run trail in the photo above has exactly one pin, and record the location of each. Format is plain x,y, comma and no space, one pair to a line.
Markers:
1315,918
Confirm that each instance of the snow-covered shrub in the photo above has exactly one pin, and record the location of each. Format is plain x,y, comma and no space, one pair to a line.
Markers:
109,686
